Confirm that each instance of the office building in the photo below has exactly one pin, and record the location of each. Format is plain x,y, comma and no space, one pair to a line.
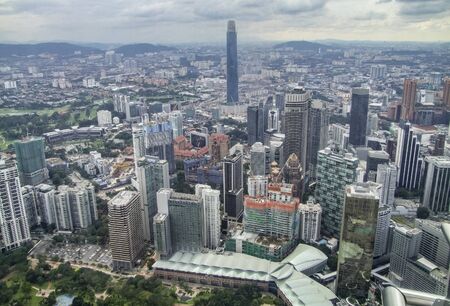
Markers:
232,64
318,122
407,158
357,240
152,174
233,191
255,124
409,99
176,120
104,118
257,186
186,222
375,158
31,160
296,113
258,159
433,245
446,93
387,178
138,135
211,215
126,233
436,194
382,231
310,220
407,265
14,227
334,172
358,116
159,142
439,144
161,230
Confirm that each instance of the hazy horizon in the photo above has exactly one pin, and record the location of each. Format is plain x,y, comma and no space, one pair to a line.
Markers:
204,21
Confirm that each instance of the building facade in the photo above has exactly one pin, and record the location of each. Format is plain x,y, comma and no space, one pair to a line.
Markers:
126,233
437,184
31,160
233,191
14,226
358,116
310,220
357,240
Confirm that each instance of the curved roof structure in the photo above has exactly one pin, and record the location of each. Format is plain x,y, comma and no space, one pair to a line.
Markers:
296,286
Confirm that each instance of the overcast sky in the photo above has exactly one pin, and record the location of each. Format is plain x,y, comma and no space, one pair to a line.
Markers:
185,21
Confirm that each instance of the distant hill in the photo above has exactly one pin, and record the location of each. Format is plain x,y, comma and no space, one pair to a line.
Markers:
301,45
133,49
7,50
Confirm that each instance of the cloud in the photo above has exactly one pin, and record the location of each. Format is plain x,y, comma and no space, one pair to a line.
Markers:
370,16
423,7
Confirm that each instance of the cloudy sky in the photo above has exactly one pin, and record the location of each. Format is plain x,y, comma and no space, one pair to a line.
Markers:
185,21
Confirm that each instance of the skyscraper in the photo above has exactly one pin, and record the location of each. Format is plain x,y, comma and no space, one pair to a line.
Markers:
233,191
446,93
358,116
186,222
232,64
293,174
176,119
296,108
138,135
152,175
161,230
14,226
409,99
258,159
407,158
126,233
334,172
436,195
381,237
31,160
255,124
357,240
387,178
318,122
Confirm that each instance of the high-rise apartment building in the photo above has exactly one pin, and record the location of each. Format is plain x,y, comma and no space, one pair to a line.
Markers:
29,201
357,240
232,63
255,123
211,215
436,194
407,158
334,172
31,160
152,175
387,178
126,233
296,113
358,116
233,191
257,186
318,122
310,219
409,99
104,118
45,199
14,228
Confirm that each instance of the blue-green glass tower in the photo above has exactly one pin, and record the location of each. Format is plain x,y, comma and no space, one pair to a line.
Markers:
31,160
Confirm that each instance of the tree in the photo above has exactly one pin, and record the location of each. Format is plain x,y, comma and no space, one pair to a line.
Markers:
423,212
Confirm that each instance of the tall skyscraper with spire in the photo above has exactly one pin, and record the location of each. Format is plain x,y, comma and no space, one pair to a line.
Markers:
232,64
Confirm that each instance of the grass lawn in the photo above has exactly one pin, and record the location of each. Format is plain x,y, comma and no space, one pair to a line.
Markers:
23,111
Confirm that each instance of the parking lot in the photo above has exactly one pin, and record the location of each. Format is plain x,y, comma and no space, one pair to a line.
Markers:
86,253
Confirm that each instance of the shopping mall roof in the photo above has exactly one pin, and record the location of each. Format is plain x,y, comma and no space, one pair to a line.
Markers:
296,286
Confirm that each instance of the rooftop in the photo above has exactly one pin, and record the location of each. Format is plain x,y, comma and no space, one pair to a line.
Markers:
123,198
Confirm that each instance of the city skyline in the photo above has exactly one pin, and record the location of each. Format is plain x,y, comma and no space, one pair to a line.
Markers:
199,21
